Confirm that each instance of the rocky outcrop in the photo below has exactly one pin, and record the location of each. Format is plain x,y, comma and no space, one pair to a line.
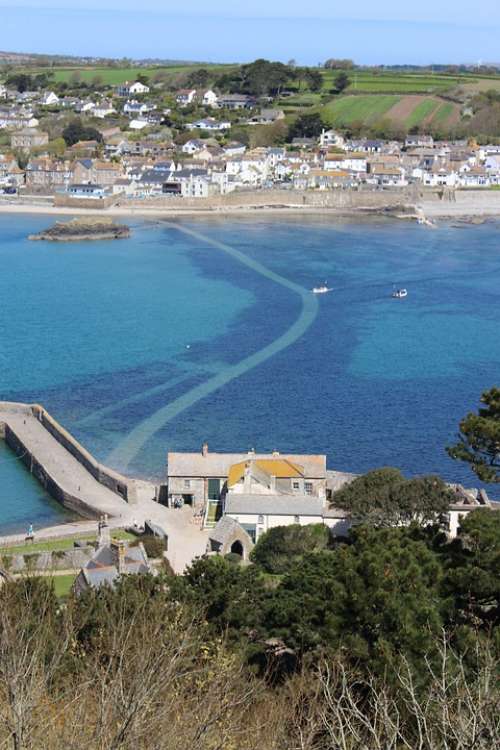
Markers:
78,230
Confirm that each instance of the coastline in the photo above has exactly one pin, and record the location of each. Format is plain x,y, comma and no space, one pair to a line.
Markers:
468,204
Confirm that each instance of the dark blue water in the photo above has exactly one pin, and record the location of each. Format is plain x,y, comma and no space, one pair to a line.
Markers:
106,335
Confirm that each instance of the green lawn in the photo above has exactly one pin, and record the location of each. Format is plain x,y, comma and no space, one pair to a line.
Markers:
345,110
62,585
422,111
60,544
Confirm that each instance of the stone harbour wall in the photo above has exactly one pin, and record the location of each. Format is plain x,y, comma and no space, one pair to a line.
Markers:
114,481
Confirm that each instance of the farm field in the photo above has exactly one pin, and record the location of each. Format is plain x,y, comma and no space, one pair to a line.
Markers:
346,110
406,111
396,83
116,76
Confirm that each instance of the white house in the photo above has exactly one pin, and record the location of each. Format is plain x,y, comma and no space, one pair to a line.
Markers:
195,186
185,97
133,107
259,513
209,98
138,124
209,123
235,149
103,109
352,161
193,146
387,176
475,177
437,177
49,98
331,138
132,89
87,106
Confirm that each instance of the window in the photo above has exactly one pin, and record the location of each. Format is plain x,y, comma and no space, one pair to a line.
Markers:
296,485
187,483
260,519
296,519
308,488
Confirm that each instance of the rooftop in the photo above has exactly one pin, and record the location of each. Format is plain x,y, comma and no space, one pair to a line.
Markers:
219,464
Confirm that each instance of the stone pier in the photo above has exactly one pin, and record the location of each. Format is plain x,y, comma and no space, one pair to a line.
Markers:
69,473
79,482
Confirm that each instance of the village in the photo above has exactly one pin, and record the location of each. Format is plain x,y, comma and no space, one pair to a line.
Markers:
123,144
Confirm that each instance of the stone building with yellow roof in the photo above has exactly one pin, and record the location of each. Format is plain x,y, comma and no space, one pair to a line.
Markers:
203,479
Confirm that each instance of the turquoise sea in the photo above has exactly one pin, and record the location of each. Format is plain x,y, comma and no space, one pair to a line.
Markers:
196,330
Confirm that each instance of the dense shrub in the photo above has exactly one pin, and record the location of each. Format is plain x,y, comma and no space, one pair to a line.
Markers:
278,550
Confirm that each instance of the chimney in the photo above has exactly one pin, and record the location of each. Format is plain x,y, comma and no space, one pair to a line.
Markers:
120,554
272,484
103,535
204,449
247,479
276,453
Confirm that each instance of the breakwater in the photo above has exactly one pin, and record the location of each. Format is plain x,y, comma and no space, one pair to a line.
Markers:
69,473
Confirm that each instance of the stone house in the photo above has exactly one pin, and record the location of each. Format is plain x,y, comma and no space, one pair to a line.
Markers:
46,173
111,560
7,163
28,138
200,478
94,171
86,149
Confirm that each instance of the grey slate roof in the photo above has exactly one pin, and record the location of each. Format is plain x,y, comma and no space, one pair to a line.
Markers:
103,566
218,464
276,505
224,529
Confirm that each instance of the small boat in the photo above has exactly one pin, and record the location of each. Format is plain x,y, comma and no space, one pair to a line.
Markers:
321,289
400,293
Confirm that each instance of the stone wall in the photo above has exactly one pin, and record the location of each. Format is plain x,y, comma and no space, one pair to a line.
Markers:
52,487
62,200
347,200
121,485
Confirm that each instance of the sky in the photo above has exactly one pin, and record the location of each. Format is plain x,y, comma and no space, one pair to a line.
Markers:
381,32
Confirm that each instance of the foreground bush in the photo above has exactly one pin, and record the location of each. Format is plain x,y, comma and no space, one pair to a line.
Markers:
131,670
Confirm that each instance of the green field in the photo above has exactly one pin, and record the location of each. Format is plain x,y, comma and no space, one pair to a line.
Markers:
443,114
422,112
116,76
346,110
395,83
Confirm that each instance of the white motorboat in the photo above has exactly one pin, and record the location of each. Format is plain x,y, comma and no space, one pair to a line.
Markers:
400,293
321,289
